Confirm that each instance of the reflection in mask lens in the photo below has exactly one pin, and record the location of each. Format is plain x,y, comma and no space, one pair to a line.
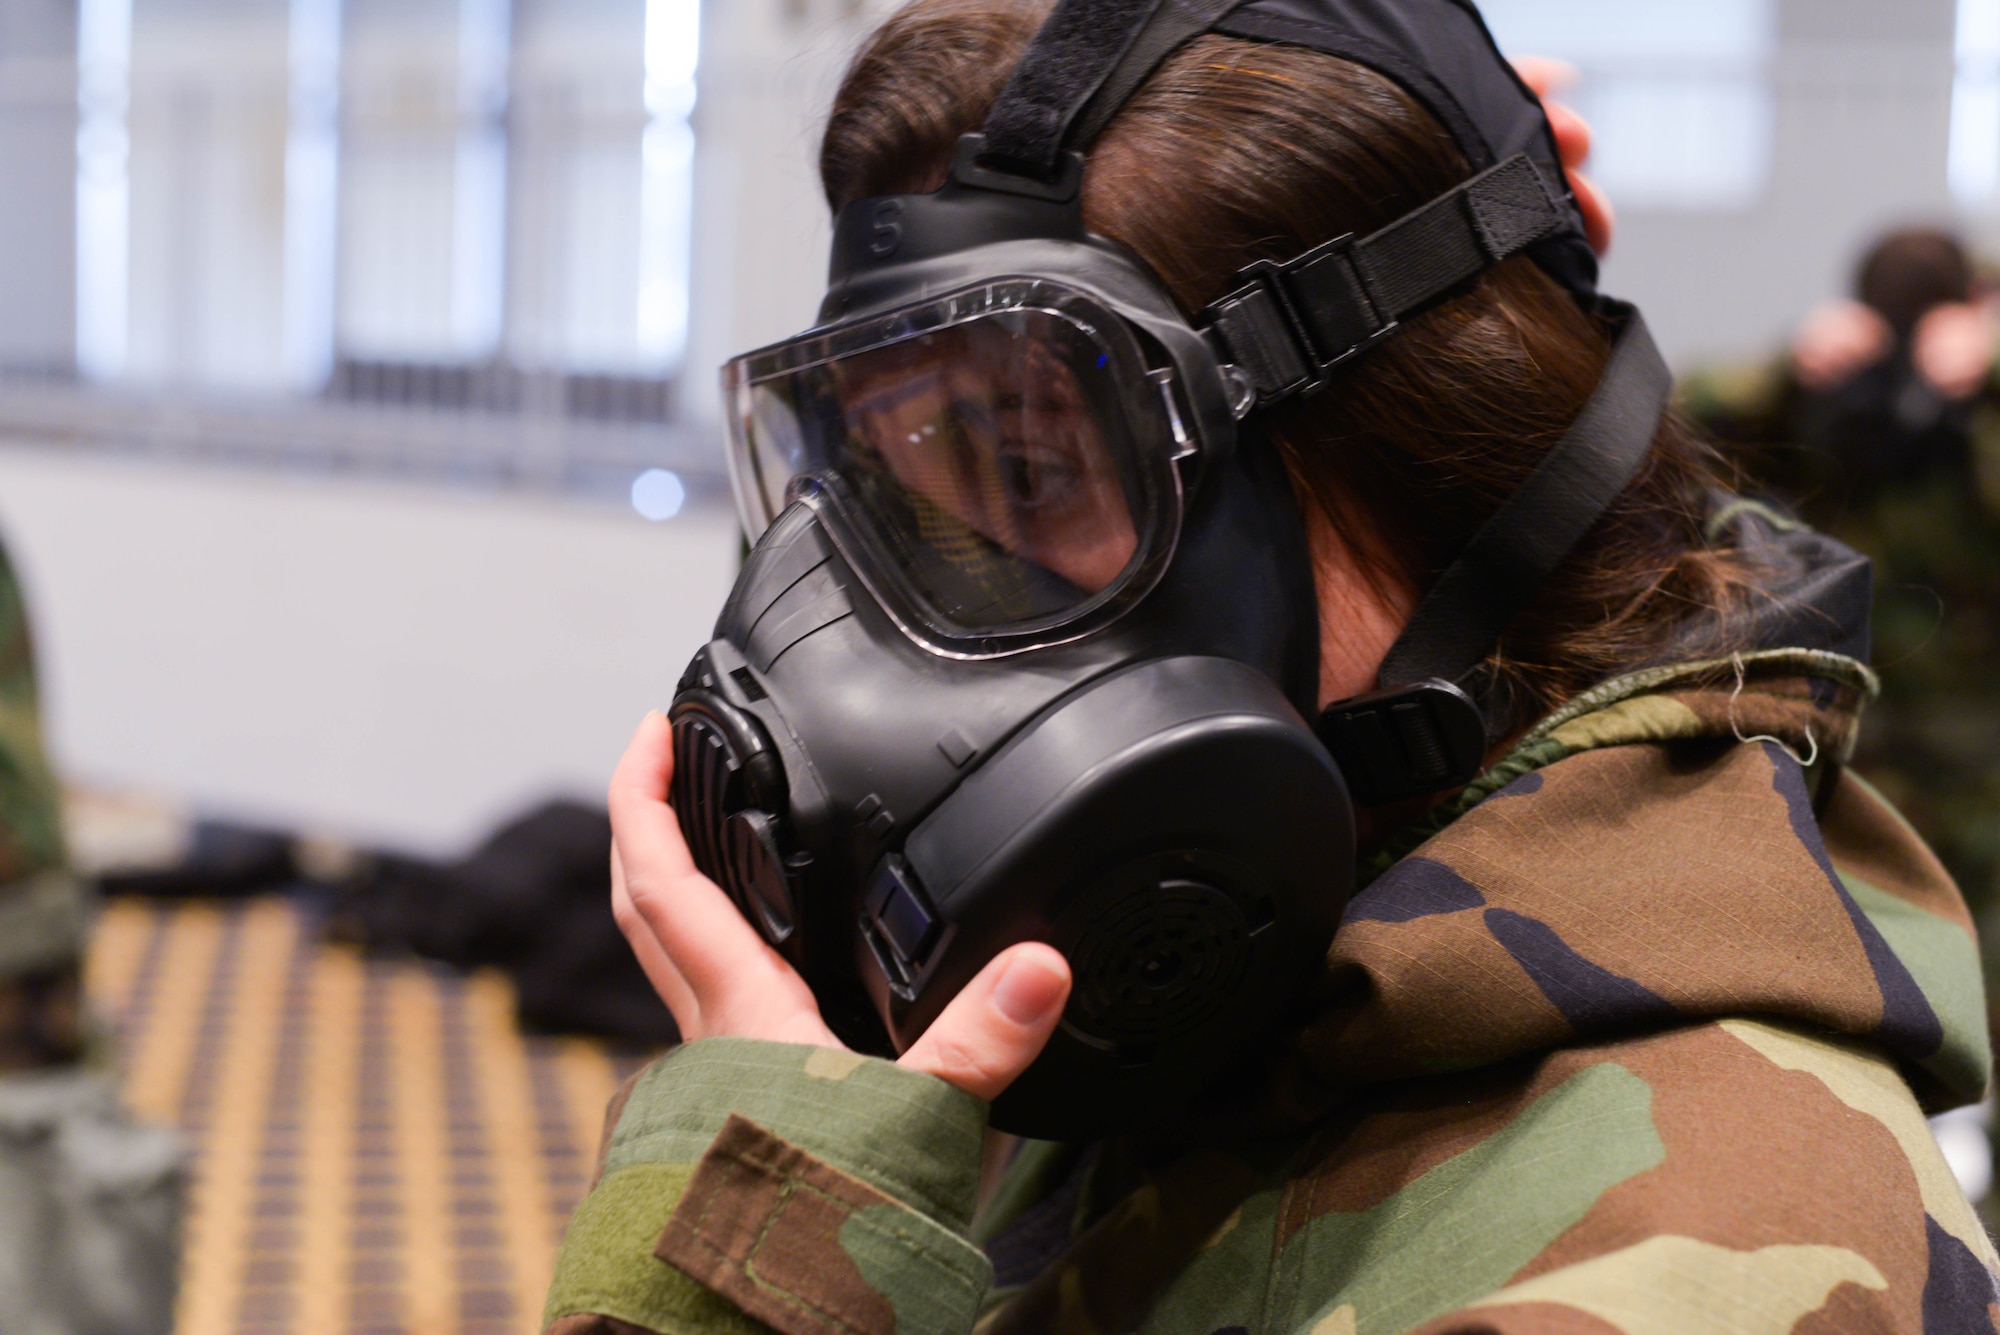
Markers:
978,460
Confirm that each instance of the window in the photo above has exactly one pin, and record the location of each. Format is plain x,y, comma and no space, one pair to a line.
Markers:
497,186
1678,91
437,238
1975,103
103,185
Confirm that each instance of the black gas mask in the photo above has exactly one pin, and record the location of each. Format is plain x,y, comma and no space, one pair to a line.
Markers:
1028,645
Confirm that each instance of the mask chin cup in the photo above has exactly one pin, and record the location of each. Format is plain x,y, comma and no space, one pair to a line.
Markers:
1405,742
1174,830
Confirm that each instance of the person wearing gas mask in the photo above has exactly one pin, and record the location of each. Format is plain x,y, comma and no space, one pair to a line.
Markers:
1254,778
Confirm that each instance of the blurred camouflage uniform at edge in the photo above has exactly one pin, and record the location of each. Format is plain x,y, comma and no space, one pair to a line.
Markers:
1923,502
1635,1035
43,914
89,1202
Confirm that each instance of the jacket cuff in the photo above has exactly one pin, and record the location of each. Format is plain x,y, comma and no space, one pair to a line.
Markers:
813,1189
809,1250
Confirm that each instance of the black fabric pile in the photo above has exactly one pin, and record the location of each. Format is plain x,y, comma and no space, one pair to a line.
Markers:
222,861
534,900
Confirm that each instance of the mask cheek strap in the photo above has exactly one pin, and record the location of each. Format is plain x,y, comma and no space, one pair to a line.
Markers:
1422,732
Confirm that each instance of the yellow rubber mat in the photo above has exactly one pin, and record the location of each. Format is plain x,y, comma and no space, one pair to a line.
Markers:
375,1148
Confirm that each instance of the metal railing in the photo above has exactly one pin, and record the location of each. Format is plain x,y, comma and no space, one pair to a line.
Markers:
460,443
483,320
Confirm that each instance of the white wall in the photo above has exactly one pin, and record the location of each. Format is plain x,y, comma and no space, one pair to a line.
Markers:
380,661
769,69
1863,112
38,128
1863,91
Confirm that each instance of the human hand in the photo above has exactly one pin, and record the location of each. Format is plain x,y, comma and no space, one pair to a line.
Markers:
1836,341
1548,78
1954,348
720,978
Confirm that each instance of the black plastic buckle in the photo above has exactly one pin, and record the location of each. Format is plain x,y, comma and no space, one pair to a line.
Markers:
968,169
904,931
1269,281
1405,742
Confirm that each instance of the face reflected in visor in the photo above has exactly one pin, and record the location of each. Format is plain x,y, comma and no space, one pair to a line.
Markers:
994,472
986,440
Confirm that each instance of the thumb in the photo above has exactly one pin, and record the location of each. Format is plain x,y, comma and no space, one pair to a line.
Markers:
999,1024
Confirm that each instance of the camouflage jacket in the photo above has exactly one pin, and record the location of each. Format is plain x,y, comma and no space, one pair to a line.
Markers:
1932,743
43,912
1637,1037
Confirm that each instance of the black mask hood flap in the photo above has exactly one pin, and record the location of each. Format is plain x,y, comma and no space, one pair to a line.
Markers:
1441,53
1091,56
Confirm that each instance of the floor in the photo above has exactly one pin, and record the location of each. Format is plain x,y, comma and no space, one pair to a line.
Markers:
374,1147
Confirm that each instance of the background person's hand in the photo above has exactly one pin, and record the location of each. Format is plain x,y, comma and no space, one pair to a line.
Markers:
1954,348
1837,341
1548,78
721,980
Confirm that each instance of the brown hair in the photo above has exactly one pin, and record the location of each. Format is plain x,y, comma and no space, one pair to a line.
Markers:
1238,150
1906,273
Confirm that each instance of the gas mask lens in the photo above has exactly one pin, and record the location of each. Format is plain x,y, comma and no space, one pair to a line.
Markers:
990,460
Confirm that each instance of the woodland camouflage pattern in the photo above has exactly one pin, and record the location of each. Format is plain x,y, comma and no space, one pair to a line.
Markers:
1933,738
90,1203
1638,1037
43,913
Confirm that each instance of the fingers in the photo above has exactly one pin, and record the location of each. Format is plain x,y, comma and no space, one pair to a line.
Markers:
709,942
1573,142
1544,76
1572,134
1548,79
703,957
638,796
1954,349
1000,1023
1599,218
720,978
1836,341
653,959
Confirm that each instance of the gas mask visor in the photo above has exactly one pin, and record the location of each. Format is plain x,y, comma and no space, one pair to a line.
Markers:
996,463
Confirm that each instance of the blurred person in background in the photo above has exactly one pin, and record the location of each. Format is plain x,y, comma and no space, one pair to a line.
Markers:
1881,426
90,1203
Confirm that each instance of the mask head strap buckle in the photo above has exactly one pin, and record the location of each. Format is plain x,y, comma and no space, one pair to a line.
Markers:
1422,733
1289,325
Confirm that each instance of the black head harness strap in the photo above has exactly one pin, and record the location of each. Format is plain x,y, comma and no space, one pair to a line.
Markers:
1422,732
1083,65
1284,328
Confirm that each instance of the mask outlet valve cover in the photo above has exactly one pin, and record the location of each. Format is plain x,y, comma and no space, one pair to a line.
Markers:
728,783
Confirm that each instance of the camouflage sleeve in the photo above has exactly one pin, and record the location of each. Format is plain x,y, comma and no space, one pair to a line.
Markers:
1857,1224
1737,1176
43,910
747,1186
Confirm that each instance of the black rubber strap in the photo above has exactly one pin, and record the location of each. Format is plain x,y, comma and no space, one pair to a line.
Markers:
1174,24
1084,64
1072,54
1515,551
1289,324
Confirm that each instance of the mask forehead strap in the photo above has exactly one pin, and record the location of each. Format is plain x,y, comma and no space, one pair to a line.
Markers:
1086,61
